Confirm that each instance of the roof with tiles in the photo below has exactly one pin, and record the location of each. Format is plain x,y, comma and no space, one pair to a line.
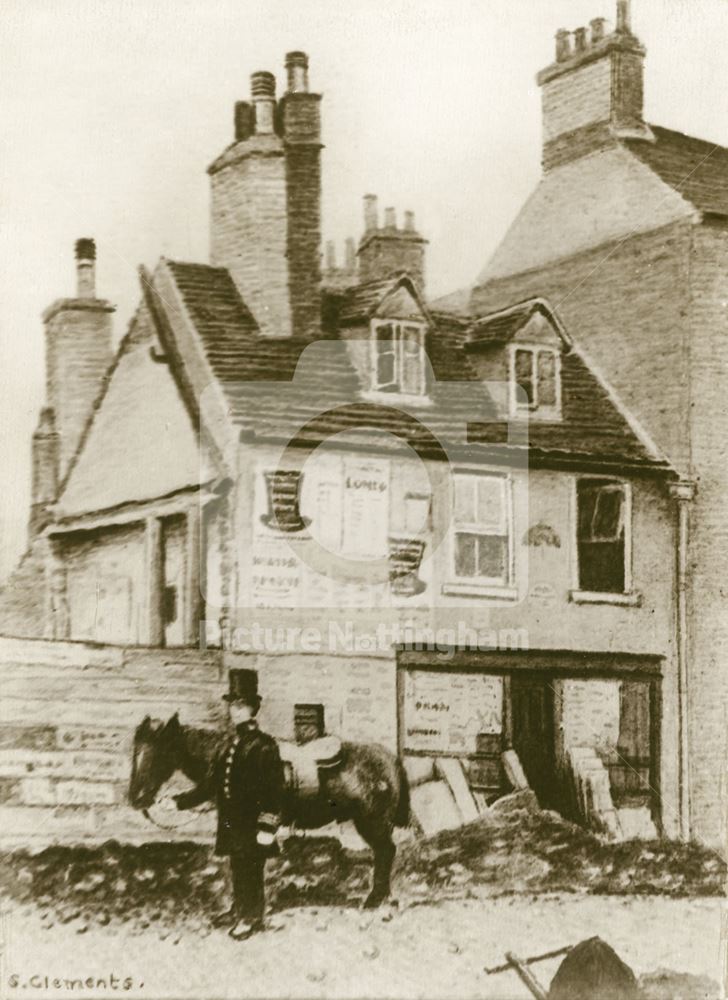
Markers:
696,169
300,391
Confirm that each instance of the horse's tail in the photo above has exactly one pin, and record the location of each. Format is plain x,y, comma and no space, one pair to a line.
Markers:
402,812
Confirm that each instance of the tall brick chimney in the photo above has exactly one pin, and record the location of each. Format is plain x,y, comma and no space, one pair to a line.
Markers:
593,90
78,354
266,203
44,470
386,250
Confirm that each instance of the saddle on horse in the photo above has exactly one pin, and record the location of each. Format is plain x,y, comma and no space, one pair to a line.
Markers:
304,763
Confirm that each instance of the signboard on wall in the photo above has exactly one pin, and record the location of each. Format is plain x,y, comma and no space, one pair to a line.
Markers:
445,712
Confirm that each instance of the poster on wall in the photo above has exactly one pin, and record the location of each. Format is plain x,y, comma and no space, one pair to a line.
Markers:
445,713
366,507
276,575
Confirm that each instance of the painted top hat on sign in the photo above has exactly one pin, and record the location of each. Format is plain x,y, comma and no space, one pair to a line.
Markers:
283,490
243,686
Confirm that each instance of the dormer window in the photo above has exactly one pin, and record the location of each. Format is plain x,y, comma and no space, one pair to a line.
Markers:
536,372
398,357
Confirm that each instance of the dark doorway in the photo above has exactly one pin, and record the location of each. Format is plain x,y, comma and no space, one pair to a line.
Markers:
532,706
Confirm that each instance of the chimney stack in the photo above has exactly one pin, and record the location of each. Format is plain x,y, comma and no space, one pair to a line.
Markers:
387,251
86,268
297,69
266,204
263,92
563,45
371,213
597,29
580,42
593,93
78,355
244,120
623,17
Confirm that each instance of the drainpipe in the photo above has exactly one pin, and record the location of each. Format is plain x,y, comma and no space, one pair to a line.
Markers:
684,492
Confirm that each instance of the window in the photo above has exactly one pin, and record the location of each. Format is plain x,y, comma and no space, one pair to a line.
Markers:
398,358
601,549
535,370
308,722
481,528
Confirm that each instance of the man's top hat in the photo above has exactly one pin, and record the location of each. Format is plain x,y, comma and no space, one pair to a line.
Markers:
243,686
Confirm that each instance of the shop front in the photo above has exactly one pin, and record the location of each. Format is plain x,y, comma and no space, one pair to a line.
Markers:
549,707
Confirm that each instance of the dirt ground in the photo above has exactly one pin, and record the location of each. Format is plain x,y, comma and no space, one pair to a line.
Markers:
526,882
432,950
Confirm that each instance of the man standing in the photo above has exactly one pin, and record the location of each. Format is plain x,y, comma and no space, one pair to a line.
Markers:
246,781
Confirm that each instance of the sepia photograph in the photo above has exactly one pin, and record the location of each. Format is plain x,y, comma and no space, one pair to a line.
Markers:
364,486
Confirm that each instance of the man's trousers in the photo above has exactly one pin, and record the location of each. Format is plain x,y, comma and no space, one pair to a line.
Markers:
247,867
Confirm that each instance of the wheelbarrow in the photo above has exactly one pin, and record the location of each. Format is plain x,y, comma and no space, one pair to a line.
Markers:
591,969
521,967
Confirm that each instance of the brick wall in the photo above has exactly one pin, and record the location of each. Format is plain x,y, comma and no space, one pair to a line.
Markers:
577,98
248,232
708,552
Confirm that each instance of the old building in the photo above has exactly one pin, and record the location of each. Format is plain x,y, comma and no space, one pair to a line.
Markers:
450,534
627,234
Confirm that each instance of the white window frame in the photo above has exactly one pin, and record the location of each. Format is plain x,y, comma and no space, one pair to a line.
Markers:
628,596
481,586
551,411
398,341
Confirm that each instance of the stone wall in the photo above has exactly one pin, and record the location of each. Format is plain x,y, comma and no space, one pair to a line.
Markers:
67,718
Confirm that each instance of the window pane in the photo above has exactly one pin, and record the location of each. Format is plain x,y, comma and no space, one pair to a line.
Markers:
385,332
490,512
601,567
465,554
607,523
385,369
492,556
411,361
524,373
465,499
587,494
546,378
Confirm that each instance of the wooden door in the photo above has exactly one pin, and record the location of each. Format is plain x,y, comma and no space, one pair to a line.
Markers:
532,707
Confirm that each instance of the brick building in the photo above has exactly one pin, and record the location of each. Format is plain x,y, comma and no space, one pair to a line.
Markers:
452,534
627,234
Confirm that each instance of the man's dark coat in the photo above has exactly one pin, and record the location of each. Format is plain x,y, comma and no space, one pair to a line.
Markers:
246,781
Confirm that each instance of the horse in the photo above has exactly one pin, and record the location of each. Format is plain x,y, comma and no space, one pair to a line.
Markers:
369,787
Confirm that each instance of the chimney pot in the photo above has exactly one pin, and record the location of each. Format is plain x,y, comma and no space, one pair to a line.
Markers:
563,45
580,40
597,29
350,253
297,68
244,120
330,255
86,268
371,218
263,90
623,16
390,219
409,222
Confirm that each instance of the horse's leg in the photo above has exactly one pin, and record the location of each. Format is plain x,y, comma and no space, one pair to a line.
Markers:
382,845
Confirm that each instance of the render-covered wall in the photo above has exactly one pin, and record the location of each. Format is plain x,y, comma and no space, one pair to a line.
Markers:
329,640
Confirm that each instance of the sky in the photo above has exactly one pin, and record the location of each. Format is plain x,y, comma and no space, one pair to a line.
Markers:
112,111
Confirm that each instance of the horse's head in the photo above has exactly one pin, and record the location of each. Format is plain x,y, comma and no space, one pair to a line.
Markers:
153,760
